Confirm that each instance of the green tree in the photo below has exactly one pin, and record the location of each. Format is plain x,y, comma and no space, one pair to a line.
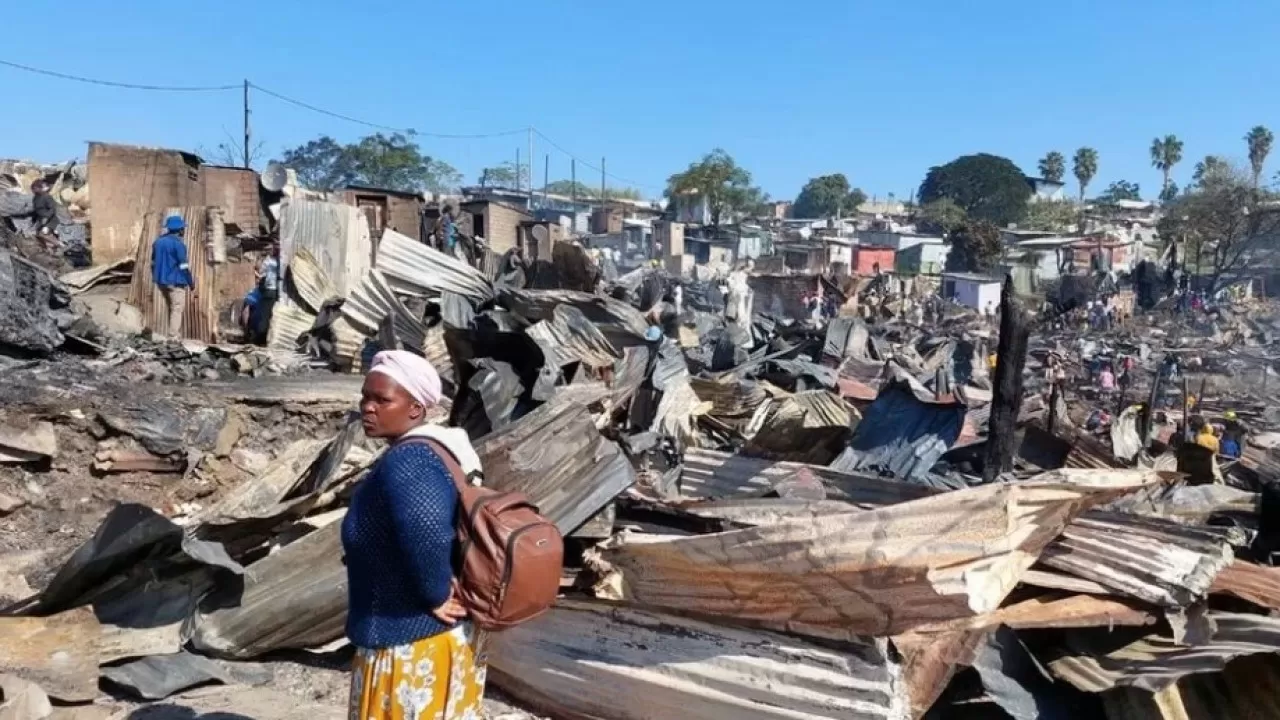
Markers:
717,177
975,248
827,196
505,175
1085,167
1223,222
1169,193
940,216
387,161
1051,216
1120,190
1166,152
1053,166
567,187
986,187
1259,140
1212,169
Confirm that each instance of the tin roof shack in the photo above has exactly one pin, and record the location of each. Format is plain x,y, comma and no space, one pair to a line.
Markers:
544,237
385,208
971,290
896,239
925,258
498,223
126,183
238,191
872,260
780,295
607,220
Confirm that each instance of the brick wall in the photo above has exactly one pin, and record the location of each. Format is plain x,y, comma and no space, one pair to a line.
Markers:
235,190
126,183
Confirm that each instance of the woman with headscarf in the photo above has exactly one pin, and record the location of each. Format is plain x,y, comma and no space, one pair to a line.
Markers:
416,656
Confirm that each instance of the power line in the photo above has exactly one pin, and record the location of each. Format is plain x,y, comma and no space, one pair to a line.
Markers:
591,166
406,131
111,83
319,110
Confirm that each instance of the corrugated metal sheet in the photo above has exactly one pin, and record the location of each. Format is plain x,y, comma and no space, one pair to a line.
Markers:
824,409
372,300
570,337
595,660
901,434
200,321
337,236
1245,690
1156,661
876,572
414,268
622,324
715,474
1256,583
310,280
729,396
287,323
1152,559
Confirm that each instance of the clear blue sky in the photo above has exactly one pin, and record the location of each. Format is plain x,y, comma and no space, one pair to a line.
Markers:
879,91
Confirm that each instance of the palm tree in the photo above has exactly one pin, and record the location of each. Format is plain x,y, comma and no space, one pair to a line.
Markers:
1053,166
1085,165
1259,140
1165,153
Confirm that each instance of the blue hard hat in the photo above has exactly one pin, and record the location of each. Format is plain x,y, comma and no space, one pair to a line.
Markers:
173,223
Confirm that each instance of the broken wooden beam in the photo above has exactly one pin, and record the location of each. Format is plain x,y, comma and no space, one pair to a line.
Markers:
1006,400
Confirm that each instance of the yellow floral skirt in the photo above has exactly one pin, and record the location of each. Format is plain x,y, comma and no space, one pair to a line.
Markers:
436,678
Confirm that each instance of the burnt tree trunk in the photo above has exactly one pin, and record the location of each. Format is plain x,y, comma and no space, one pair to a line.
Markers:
1006,400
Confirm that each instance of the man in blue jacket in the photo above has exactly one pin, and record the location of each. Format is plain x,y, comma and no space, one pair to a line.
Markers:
171,272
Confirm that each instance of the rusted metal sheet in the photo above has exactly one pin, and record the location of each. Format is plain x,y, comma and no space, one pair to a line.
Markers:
1155,560
414,268
200,321
1056,610
878,572
1258,584
337,236
1157,661
592,660
715,474
59,653
729,396
929,660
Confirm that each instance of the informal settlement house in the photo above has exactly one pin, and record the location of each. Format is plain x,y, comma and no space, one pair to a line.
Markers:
971,290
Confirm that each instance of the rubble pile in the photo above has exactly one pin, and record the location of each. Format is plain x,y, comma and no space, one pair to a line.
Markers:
771,516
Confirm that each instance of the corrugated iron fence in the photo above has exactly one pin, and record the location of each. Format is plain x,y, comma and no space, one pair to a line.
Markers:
200,321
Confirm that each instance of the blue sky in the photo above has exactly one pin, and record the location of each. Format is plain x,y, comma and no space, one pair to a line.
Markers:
879,91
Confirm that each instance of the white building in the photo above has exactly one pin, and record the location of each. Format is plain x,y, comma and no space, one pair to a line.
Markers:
971,290
895,239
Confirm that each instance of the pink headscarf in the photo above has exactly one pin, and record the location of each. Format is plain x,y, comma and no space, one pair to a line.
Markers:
411,372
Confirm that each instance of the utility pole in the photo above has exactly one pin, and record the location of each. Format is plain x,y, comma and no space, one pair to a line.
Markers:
530,167
602,186
546,177
517,167
573,181
246,124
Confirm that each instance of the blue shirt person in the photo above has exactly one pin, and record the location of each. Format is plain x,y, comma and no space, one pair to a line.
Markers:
171,272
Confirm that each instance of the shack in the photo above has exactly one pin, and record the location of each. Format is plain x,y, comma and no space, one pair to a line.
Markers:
971,290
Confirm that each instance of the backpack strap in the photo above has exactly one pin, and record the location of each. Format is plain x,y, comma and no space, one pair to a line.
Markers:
450,460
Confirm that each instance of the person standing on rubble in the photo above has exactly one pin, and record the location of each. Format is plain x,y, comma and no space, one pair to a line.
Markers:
268,293
171,273
446,231
45,213
417,656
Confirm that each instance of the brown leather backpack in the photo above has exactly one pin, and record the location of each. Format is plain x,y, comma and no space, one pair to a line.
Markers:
511,556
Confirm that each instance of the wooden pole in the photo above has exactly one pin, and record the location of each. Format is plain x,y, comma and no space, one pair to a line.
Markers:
1006,400
1186,410
1055,395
